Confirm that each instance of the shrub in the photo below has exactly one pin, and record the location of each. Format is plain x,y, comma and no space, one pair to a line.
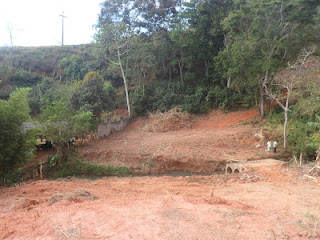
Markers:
11,178
77,167
16,144
93,94
226,98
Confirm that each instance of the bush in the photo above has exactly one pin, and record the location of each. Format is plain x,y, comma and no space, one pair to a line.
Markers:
77,167
16,143
301,139
166,95
199,98
227,98
11,178
93,94
196,103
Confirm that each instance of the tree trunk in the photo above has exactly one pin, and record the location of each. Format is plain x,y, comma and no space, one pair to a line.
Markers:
229,82
285,123
125,82
285,129
261,104
206,62
181,70
127,60
318,153
164,68
144,80
300,159
62,151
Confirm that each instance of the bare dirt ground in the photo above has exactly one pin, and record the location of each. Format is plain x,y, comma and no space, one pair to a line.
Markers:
266,201
205,148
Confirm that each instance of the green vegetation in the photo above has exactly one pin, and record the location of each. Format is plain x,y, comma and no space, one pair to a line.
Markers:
16,144
195,55
60,124
77,167
93,94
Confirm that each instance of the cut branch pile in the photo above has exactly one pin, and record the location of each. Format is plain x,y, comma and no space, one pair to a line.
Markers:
171,120
315,171
77,196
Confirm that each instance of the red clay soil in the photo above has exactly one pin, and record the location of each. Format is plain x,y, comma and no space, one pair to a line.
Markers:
194,207
267,201
205,148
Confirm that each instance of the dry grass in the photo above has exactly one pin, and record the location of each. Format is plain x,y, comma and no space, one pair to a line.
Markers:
75,196
171,120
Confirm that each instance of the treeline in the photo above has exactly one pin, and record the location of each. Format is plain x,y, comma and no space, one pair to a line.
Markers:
219,53
196,54
200,54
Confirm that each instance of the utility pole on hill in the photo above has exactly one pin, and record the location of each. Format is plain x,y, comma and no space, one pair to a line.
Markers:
62,16
10,29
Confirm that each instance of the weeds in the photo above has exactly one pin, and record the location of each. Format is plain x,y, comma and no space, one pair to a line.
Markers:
77,167
309,221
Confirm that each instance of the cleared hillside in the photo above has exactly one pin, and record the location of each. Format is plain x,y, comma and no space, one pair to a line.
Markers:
204,147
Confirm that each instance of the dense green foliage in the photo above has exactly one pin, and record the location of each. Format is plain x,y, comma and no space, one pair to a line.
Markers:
93,94
28,66
16,144
60,124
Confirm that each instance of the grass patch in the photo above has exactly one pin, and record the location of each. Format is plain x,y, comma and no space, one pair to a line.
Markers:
309,221
77,167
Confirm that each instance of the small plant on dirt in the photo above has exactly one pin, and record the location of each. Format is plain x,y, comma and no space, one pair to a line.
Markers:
309,221
149,163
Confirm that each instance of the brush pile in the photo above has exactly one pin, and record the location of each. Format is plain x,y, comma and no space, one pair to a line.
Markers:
171,120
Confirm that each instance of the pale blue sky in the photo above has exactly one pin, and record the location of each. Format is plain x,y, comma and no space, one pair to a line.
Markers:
37,22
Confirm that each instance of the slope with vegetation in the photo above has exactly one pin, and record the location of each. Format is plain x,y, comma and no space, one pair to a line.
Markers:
195,55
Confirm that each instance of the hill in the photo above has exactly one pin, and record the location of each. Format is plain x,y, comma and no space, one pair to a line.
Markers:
212,141
265,201
28,66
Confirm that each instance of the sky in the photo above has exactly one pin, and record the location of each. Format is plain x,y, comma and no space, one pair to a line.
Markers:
37,22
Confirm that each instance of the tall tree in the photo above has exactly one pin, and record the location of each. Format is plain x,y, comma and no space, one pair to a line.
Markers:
284,84
117,24
116,39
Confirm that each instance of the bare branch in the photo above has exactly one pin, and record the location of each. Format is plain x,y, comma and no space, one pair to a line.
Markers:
125,52
113,62
123,45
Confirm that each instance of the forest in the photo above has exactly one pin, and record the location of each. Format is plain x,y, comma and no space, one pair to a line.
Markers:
156,55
